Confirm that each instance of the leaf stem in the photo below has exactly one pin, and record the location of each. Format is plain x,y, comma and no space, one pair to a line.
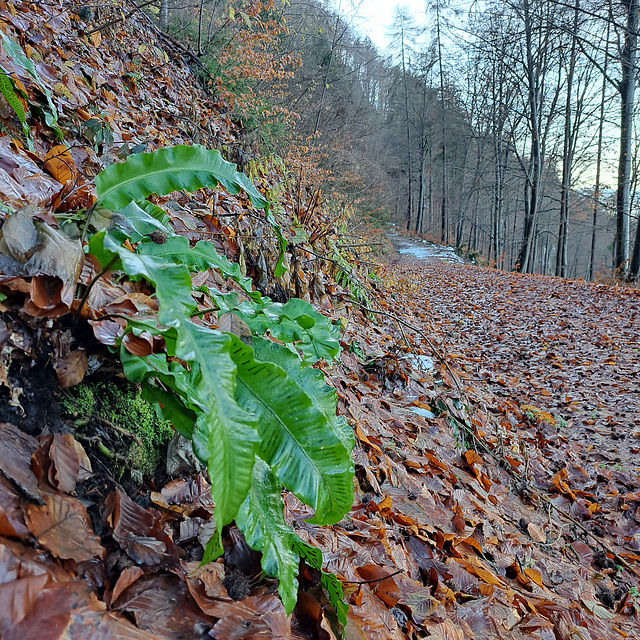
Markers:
395,573
107,267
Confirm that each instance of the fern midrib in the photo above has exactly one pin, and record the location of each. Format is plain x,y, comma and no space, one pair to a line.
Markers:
171,170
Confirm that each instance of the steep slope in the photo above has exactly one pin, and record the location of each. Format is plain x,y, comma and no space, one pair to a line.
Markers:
468,520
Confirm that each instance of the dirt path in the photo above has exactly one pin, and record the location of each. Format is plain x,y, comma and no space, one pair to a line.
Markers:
570,348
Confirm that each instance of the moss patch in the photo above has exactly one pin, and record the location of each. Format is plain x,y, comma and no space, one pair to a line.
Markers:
121,405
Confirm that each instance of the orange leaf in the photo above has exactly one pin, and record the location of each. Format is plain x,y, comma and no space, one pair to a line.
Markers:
535,575
59,163
471,457
488,577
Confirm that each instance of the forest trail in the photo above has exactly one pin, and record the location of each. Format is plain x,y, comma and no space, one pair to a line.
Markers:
567,347
414,248
539,383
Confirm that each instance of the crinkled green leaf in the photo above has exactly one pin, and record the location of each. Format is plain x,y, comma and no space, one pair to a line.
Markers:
313,557
156,212
312,382
225,437
199,258
294,322
261,520
179,168
134,220
171,280
296,441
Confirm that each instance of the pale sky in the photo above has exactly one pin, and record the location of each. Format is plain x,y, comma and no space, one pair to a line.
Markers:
374,17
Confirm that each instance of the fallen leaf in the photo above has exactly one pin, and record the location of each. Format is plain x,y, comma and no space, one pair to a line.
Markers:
11,515
65,454
536,533
254,617
16,448
18,235
17,598
63,527
125,579
598,610
70,368
535,575
138,530
60,164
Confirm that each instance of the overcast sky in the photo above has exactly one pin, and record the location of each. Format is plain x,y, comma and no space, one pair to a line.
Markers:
374,17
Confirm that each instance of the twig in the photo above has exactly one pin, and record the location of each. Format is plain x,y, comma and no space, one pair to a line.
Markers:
619,559
76,315
102,448
121,430
122,18
395,573
420,332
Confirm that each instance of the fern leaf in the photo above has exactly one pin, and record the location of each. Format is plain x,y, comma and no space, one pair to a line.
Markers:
14,102
261,520
179,168
225,436
199,258
305,456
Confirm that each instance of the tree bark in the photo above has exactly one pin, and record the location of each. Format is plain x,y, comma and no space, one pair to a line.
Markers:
567,159
627,96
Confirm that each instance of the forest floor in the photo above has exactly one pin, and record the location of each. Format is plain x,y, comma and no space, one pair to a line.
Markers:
498,425
496,415
548,373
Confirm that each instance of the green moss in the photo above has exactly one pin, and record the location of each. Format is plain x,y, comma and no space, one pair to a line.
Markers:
78,402
123,406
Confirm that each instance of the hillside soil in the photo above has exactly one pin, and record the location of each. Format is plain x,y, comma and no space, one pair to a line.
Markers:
497,415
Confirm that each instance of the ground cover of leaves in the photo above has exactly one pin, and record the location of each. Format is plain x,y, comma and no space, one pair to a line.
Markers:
495,413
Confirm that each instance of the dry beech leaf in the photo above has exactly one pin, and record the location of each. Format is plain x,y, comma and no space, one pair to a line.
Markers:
106,331
139,531
18,235
384,586
60,164
140,346
16,448
69,462
125,579
535,575
70,368
231,323
254,617
17,598
11,515
537,535
63,527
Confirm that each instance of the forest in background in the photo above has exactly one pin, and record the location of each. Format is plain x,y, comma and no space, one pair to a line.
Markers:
505,129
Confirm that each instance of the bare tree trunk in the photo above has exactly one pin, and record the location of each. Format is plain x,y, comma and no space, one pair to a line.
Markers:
408,122
567,158
535,158
443,203
596,194
164,14
627,95
325,84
